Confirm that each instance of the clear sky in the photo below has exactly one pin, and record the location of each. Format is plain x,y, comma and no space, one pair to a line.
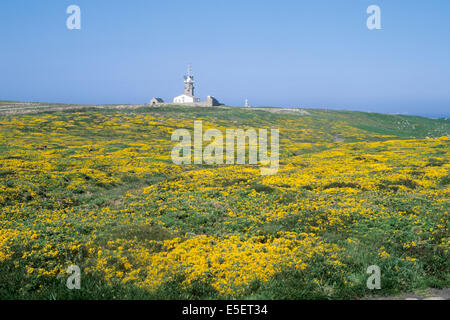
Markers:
275,53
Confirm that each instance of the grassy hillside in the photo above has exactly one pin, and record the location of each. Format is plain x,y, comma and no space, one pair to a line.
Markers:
97,188
398,125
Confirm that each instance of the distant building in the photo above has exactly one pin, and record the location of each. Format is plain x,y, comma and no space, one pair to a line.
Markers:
188,98
156,101
188,95
211,101
246,103
185,98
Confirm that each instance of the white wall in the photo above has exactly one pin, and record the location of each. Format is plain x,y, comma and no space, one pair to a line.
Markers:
185,99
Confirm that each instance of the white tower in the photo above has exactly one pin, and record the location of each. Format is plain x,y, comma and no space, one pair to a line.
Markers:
246,103
189,82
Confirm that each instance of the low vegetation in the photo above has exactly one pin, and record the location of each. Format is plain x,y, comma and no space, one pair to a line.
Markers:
97,188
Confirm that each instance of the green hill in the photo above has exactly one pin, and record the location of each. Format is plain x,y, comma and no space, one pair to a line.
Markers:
96,187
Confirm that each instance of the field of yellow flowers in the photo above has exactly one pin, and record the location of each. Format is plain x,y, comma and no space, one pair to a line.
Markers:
98,189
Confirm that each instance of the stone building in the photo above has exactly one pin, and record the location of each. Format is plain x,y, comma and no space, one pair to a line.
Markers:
156,101
211,101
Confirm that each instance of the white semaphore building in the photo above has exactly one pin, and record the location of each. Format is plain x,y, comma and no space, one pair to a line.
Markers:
188,98
188,95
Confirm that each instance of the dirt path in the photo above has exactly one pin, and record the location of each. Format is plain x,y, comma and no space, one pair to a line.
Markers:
428,294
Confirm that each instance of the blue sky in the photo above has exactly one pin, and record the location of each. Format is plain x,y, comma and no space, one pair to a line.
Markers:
275,53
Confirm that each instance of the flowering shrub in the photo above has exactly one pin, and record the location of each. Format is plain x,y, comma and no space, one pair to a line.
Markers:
98,189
